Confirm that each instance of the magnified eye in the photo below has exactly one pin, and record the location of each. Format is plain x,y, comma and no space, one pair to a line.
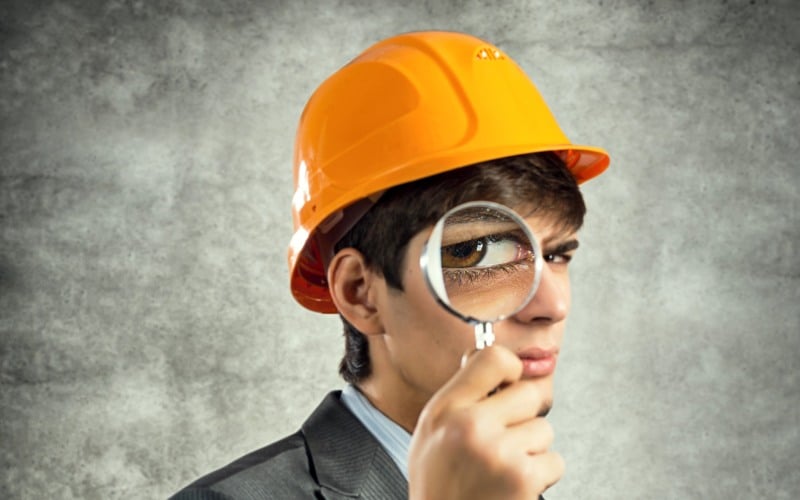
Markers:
482,263
464,254
488,251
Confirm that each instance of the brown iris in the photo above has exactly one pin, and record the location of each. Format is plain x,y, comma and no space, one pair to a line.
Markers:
464,254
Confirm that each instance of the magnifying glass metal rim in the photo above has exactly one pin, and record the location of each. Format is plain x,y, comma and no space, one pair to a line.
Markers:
425,258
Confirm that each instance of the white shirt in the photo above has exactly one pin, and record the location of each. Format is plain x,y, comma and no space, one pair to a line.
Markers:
394,439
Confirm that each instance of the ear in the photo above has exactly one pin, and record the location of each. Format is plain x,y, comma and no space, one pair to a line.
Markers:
353,287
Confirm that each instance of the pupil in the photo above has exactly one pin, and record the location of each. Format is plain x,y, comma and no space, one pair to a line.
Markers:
464,254
463,250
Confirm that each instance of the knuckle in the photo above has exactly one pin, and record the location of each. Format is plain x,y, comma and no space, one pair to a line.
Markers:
488,355
498,355
464,429
549,471
547,432
531,393
466,433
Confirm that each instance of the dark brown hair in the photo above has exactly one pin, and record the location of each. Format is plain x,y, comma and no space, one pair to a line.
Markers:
540,181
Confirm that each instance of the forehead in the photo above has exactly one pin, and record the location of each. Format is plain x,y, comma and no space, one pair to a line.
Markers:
553,221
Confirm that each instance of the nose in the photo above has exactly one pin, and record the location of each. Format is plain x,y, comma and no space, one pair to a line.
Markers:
552,299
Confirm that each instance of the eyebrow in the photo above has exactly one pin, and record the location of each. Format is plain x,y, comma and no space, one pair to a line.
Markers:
564,247
472,216
465,229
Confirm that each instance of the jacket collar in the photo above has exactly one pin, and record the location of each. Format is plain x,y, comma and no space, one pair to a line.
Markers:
346,459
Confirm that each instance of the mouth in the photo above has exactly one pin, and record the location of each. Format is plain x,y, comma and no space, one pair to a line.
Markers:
538,362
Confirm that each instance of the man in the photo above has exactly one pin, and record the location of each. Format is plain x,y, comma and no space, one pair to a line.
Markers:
416,125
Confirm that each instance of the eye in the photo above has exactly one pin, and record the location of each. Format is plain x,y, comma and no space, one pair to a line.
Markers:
489,251
464,254
558,258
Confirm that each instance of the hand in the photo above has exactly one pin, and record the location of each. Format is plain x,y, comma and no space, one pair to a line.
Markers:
471,445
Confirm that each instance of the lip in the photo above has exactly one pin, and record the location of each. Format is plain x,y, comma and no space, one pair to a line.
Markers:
538,362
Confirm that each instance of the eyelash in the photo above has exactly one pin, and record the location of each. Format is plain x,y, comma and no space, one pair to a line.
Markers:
464,276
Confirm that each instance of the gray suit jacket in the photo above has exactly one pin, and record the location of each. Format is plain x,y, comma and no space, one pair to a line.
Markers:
331,457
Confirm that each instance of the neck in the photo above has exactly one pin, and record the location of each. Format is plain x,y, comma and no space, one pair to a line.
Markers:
403,409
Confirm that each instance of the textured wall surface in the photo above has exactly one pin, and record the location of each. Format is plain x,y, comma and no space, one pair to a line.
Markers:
147,331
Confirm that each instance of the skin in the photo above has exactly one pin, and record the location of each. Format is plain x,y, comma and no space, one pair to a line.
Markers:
467,443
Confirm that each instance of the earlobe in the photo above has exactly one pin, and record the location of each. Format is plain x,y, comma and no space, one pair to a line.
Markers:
352,287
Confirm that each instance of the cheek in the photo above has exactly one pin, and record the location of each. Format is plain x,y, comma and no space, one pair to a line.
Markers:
441,330
425,342
426,339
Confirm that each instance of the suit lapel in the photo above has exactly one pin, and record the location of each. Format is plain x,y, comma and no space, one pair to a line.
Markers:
346,459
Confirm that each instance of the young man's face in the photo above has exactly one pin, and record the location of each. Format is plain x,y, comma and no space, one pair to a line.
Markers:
423,344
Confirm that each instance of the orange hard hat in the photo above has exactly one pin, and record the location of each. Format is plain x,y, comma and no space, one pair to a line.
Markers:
408,107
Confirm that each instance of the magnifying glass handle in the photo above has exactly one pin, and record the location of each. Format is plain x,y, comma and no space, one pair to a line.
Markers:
484,336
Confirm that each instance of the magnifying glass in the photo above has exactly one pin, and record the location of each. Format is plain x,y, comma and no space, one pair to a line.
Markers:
483,264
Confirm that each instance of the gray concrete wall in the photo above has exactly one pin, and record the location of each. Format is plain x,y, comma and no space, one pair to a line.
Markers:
148,334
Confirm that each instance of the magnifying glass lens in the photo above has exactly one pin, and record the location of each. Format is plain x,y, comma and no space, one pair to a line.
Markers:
482,262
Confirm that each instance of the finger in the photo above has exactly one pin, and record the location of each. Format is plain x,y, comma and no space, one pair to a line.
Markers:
544,469
515,403
483,372
528,438
465,357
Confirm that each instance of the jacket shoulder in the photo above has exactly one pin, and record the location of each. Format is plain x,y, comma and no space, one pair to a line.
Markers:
279,470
